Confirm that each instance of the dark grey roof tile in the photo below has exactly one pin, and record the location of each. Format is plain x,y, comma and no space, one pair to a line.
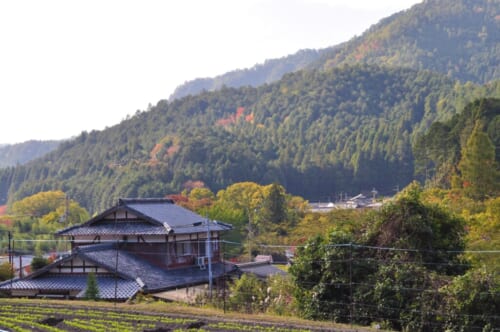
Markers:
121,228
261,269
106,284
153,277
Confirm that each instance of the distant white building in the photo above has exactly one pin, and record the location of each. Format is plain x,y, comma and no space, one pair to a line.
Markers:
355,202
322,207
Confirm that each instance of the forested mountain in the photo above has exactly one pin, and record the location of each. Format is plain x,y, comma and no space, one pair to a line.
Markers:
267,72
315,132
458,38
13,154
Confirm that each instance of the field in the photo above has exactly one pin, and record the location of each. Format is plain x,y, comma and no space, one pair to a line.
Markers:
54,315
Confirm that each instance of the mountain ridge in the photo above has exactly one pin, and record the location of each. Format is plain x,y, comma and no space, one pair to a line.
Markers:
269,71
394,41
20,153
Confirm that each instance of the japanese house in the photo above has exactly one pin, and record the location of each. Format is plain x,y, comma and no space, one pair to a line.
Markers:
139,245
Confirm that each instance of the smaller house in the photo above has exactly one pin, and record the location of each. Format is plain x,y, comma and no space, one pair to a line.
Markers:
262,267
261,270
264,258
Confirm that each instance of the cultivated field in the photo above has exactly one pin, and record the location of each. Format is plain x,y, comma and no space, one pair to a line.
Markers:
54,315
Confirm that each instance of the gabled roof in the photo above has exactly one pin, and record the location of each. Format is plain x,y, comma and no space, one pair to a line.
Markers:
158,216
154,278
129,272
110,287
119,286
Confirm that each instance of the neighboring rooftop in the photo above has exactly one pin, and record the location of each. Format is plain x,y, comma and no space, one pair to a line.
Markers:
125,271
262,269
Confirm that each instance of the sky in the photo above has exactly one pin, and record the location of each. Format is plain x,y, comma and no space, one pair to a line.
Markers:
73,66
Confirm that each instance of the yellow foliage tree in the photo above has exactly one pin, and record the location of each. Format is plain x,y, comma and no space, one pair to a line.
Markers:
484,235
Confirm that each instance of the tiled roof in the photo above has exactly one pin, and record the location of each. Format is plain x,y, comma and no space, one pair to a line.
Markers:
107,285
128,267
261,269
125,264
163,211
160,216
176,217
122,228
153,277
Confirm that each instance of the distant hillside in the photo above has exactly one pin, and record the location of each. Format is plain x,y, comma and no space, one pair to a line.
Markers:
13,154
269,71
318,133
458,38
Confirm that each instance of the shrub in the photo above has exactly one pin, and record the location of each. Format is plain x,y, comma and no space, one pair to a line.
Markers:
6,271
92,291
38,262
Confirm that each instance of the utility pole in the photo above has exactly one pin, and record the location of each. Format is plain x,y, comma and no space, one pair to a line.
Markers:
10,247
249,237
66,208
225,277
20,266
208,251
351,311
209,255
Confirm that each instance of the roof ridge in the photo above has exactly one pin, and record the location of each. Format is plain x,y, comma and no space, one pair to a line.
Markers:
125,201
96,246
249,264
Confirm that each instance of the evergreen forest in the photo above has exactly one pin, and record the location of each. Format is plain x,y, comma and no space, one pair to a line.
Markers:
454,37
317,133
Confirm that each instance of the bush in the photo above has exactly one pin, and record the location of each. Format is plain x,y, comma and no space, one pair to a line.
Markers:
6,271
247,294
92,291
38,262
472,301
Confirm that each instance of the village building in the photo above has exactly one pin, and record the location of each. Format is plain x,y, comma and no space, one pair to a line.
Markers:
262,267
359,201
139,245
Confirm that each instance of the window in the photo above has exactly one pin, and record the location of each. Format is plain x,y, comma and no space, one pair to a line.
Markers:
183,248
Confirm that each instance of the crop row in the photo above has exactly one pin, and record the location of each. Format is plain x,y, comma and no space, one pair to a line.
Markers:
17,324
34,313
234,326
29,318
21,318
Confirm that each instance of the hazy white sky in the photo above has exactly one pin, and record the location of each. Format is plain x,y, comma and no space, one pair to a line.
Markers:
69,66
